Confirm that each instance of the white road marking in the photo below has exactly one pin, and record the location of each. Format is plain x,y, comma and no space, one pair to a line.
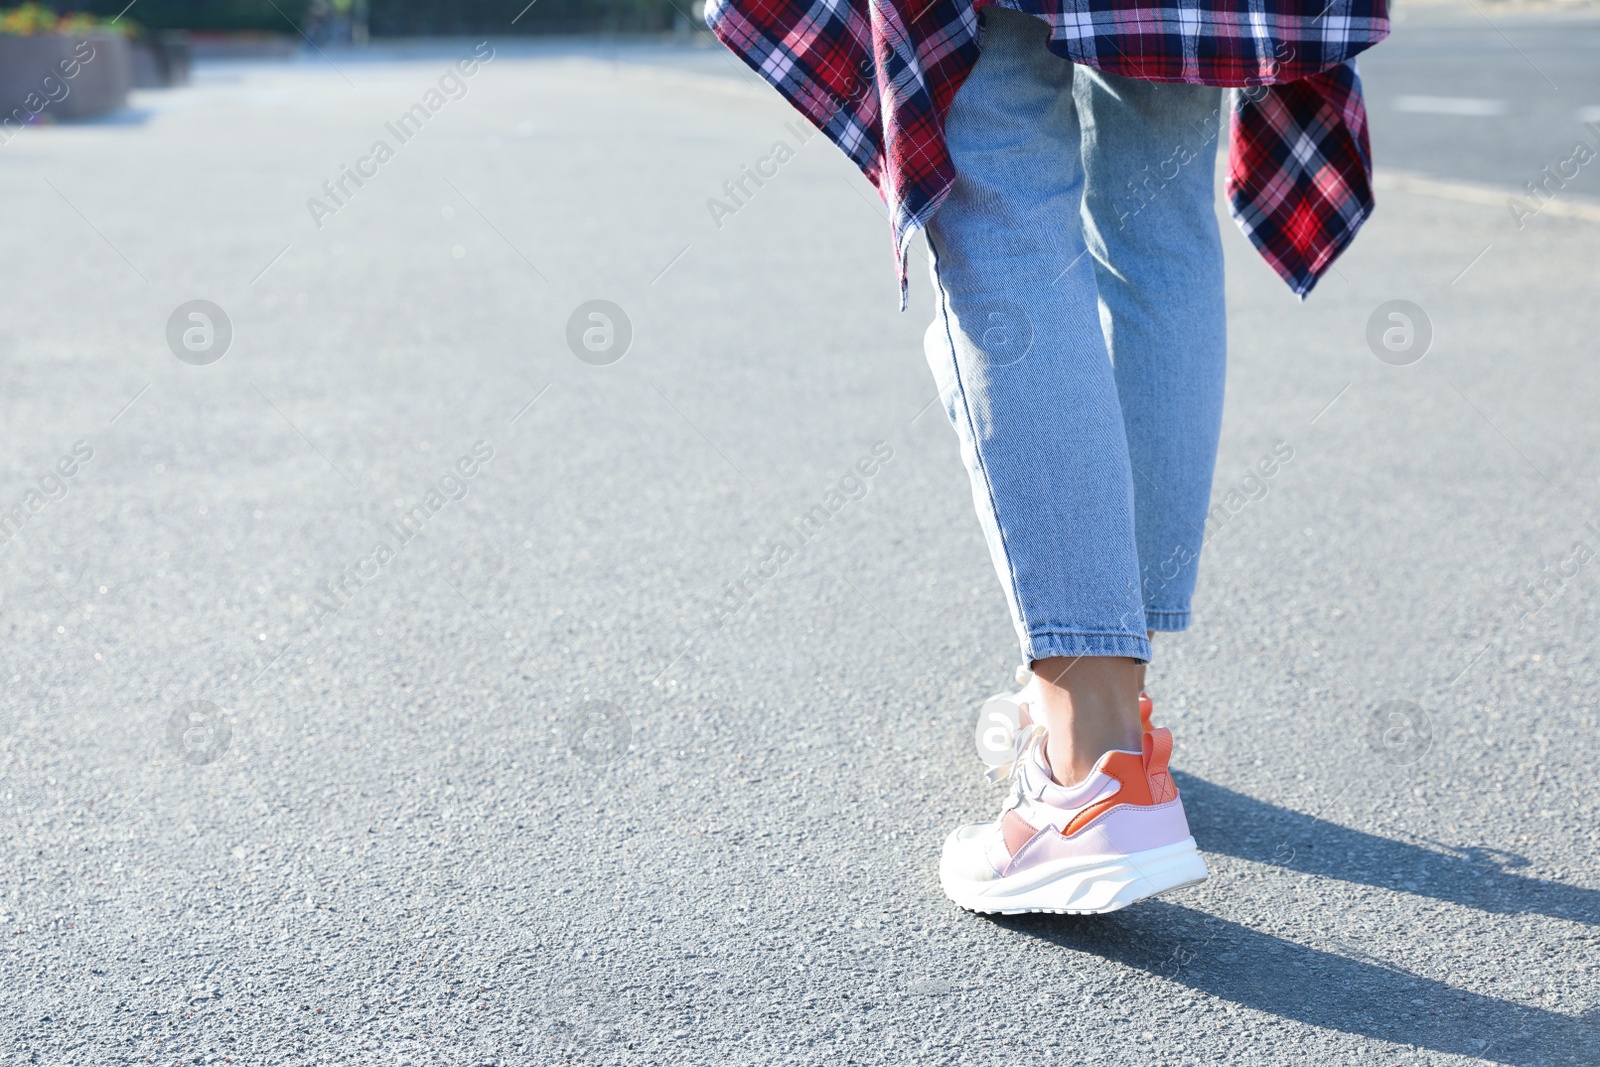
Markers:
1450,105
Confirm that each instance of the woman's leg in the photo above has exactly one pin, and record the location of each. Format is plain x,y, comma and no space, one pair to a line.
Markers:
1021,363
1150,221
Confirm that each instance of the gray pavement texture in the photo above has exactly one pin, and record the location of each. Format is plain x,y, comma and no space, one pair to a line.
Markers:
568,774
1486,95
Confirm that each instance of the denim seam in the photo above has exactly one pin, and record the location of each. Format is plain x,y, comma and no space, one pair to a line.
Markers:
1135,646
977,449
1176,619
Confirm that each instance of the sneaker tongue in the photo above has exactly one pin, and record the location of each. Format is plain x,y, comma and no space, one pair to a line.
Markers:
1048,786
1035,756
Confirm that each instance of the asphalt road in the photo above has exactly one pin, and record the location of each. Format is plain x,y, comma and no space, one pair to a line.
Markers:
562,773
1487,95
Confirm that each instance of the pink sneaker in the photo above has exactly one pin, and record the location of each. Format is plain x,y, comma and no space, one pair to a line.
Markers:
1116,838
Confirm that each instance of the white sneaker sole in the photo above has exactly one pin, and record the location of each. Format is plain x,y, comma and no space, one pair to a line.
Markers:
1077,887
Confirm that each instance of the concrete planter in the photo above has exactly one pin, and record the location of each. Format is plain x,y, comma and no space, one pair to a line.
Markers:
55,77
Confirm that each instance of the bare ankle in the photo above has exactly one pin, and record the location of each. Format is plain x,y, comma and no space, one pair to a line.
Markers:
1150,635
1091,707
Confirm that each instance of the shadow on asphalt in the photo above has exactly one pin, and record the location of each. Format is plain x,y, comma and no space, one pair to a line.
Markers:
1266,973
1475,877
1348,990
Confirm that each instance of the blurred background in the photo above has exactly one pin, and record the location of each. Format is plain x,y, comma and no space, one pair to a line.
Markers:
163,36
389,675
355,21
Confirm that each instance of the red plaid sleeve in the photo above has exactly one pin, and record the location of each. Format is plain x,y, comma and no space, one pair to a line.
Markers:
1300,172
877,76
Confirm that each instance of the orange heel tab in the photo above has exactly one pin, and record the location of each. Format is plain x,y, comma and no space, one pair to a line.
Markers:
1142,780
1157,751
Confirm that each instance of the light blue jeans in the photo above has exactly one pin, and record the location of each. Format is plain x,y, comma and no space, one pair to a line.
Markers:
1080,342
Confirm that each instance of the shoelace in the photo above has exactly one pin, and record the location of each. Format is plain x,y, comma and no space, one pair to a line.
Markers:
1021,738
1021,742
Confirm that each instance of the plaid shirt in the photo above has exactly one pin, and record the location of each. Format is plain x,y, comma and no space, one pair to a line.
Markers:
877,76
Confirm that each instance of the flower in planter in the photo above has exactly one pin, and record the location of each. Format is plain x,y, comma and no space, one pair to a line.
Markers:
32,19
79,24
27,20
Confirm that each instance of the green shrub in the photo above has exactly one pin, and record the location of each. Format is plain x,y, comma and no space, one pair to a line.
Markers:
400,18
203,14
34,18
410,18
386,18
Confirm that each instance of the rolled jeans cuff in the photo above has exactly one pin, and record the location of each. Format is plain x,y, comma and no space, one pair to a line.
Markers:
1164,621
1074,645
